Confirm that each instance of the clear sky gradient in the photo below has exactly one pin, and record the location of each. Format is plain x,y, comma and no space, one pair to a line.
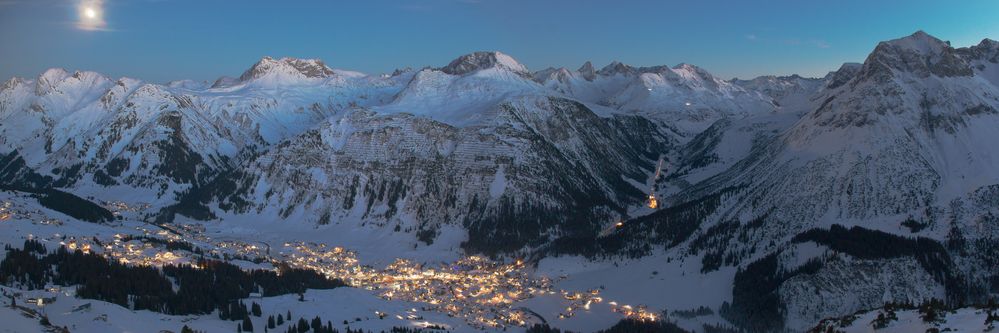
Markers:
163,40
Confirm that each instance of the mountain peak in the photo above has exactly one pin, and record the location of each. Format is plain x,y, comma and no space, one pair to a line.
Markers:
49,79
990,43
11,83
920,54
476,61
304,68
686,66
52,77
615,67
587,71
987,50
841,76
560,74
920,42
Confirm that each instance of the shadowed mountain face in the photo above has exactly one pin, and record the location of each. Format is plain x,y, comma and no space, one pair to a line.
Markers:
897,144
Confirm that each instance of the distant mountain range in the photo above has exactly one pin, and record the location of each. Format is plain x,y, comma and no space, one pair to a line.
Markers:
876,183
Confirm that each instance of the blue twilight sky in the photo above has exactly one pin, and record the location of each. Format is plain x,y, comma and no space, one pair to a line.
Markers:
163,40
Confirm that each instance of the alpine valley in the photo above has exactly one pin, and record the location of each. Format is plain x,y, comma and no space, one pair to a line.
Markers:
483,196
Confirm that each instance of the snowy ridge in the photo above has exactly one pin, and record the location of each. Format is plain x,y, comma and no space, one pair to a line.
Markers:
110,132
483,60
286,70
684,97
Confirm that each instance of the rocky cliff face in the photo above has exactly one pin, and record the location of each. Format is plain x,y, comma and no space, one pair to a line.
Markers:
543,168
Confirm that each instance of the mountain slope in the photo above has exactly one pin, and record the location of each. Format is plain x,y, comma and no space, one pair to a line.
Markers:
89,132
488,149
901,146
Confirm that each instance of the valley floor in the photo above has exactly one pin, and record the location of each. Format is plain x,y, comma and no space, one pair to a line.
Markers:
422,287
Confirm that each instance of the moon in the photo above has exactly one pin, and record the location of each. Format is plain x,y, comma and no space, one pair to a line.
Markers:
91,14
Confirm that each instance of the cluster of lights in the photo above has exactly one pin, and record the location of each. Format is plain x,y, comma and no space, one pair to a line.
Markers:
119,207
5,212
478,290
10,210
482,292
634,312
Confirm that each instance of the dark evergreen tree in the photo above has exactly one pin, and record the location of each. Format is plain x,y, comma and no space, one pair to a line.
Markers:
317,324
247,324
256,310
930,311
303,326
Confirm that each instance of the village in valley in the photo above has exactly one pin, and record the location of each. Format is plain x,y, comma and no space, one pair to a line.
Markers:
482,293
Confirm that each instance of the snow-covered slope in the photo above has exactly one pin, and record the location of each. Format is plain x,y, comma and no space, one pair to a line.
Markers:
476,144
88,132
891,320
905,137
909,131
540,167
685,97
790,93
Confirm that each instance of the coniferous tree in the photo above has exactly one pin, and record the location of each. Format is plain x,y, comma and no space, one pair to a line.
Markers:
317,324
303,326
270,321
256,310
280,320
247,324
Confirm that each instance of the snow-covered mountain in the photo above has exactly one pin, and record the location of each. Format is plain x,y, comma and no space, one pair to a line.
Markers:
685,98
88,132
476,144
790,93
898,147
910,130
815,197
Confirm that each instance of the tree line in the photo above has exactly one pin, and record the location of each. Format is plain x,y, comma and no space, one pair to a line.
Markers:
210,286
